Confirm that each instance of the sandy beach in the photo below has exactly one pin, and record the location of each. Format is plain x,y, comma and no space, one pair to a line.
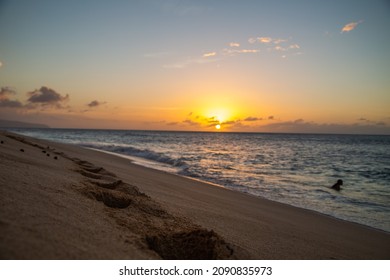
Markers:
61,201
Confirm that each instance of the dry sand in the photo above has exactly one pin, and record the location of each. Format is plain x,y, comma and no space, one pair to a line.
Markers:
61,201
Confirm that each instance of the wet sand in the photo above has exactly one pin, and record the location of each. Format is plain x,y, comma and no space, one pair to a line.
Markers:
61,201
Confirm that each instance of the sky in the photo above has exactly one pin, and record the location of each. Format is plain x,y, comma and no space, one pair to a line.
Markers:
304,66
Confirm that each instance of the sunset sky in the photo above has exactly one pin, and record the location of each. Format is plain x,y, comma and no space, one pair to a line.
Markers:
266,66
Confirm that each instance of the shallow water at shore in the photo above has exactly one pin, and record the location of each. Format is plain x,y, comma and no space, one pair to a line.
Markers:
296,169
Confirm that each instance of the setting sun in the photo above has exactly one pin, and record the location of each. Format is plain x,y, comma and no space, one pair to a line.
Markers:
218,126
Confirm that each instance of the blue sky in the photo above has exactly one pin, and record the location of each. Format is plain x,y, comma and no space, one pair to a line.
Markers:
178,64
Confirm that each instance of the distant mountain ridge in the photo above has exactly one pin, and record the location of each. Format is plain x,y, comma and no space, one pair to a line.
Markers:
15,124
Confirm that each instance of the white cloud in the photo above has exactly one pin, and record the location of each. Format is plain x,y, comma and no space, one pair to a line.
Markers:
284,46
279,48
209,54
350,26
231,52
190,61
294,46
265,40
279,41
248,51
252,40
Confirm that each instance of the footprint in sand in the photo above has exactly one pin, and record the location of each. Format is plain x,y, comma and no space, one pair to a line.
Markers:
91,168
111,198
90,174
104,185
170,238
194,244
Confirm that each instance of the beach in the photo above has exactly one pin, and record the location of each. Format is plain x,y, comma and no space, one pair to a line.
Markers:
61,201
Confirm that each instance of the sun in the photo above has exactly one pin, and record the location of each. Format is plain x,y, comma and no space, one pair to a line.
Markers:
216,118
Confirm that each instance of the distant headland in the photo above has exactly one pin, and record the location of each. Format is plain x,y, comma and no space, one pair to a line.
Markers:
16,124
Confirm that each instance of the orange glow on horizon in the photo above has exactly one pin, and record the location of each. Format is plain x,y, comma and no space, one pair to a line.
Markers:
219,114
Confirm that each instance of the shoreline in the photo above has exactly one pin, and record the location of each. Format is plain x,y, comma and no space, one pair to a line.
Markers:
250,226
291,180
133,161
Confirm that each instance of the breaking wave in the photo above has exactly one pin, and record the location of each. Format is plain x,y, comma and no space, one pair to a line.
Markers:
141,153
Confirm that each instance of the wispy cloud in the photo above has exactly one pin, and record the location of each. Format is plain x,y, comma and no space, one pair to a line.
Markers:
252,119
95,103
286,48
276,44
280,48
371,122
234,45
1,64
273,124
191,122
350,26
266,40
279,41
265,43
230,52
235,48
233,123
191,61
209,54
302,126
294,46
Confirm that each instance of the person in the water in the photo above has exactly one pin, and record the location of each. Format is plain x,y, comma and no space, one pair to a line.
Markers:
338,185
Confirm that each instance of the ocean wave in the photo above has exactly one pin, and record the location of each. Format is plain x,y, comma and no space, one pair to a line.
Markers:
141,153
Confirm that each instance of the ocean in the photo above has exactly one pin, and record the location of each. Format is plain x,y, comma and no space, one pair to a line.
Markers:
295,169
